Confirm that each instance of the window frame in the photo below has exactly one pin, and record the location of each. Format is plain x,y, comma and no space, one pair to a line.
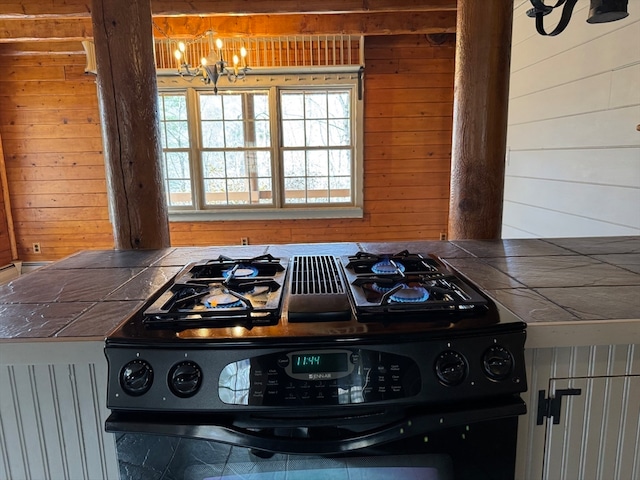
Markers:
274,82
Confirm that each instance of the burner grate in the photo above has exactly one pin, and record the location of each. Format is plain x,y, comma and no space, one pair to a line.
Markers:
408,287
221,293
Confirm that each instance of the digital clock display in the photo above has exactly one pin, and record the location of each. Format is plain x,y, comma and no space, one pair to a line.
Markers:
319,362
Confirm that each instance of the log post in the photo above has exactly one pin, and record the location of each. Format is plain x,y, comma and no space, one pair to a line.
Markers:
480,107
128,99
4,188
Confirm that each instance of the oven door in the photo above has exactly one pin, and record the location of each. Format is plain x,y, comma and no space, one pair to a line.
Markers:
477,443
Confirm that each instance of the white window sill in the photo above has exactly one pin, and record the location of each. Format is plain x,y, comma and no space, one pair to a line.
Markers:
265,214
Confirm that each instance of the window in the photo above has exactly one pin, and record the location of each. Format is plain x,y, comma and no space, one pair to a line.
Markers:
175,141
235,149
252,151
316,146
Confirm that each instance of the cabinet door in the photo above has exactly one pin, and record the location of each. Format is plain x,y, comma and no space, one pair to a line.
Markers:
598,436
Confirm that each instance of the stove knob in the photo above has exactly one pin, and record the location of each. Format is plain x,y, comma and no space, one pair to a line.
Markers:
451,367
136,377
185,379
497,362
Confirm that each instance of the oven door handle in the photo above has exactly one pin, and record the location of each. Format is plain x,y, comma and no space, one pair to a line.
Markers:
262,439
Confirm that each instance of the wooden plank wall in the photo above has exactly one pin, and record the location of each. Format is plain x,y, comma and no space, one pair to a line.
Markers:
49,123
50,128
408,103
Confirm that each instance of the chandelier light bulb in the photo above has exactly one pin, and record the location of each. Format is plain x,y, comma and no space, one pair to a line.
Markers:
182,47
243,54
178,55
219,44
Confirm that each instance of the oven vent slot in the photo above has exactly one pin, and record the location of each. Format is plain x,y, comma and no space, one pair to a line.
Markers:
317,290
316,275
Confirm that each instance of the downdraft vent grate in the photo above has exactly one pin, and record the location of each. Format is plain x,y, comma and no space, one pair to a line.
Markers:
315,275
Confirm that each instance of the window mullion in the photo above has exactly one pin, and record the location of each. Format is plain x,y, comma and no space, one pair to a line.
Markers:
195,151
277,176
249,131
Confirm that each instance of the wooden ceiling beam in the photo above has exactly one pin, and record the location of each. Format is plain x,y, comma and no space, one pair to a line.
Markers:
82,8
232,7
312,24
45,29
381,23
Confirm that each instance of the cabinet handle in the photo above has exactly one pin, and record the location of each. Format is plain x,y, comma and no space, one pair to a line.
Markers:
550,407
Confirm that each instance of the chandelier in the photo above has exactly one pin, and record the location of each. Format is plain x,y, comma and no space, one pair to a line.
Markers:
213,66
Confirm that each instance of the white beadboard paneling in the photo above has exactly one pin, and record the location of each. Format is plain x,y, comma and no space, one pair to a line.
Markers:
53,412
44,385
629,435
538,222
580,165
609,128
4,455
530,450
617,205
599,431
595,438
14,441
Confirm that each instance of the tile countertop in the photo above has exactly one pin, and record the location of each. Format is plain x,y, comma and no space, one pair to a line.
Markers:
570,291
573,291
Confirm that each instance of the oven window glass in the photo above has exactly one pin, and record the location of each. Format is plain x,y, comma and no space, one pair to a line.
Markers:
281,467
478,451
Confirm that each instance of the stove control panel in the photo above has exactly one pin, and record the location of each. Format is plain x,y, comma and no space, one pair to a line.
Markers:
319,377
427,371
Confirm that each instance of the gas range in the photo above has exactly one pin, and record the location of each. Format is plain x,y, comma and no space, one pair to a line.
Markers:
313,333
398,288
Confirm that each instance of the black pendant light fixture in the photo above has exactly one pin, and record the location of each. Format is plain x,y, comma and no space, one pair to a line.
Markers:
601,11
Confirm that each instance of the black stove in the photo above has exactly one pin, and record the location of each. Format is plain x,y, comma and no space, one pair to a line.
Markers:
267,352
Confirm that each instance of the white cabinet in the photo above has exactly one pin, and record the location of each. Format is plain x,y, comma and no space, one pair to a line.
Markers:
595,434
52,412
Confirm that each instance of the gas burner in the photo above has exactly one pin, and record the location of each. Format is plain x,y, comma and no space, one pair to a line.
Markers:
241,271
387,266
224,267
404,262
221,299
406,294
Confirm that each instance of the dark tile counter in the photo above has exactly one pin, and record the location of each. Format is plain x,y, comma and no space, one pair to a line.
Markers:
558,286
569,291
84,296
